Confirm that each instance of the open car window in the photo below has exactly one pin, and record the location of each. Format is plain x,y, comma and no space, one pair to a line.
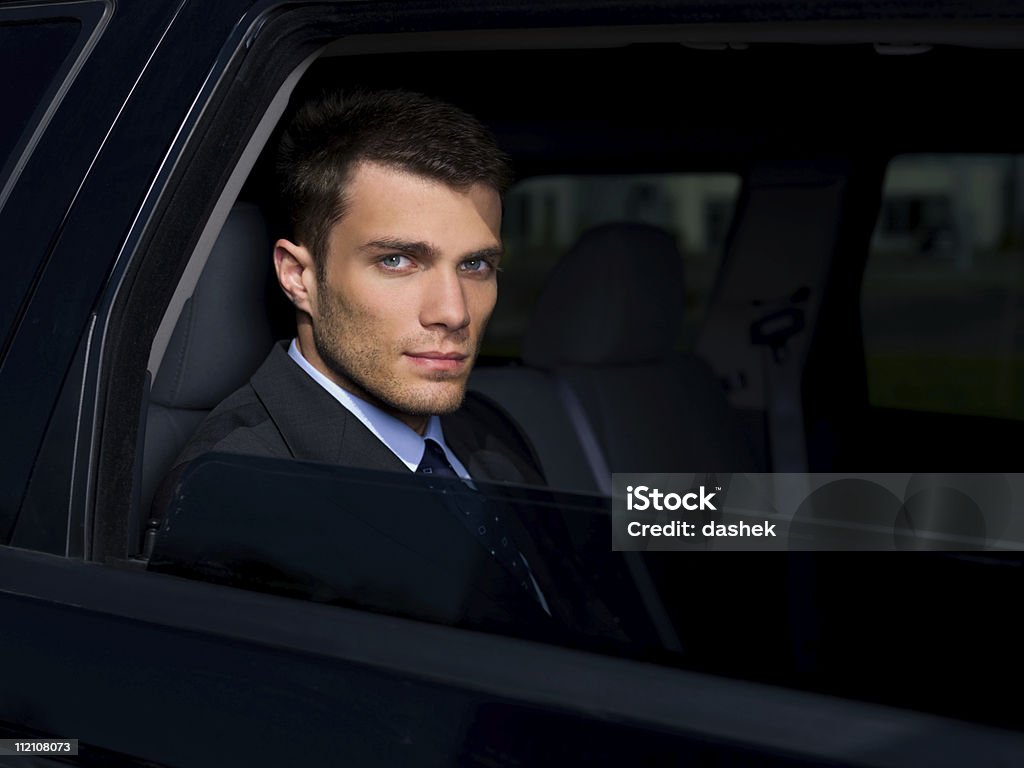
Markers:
944,287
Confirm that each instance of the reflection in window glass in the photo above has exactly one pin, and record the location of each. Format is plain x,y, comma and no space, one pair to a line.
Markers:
544,216
943,294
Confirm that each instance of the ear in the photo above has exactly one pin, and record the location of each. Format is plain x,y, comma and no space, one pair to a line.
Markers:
296,274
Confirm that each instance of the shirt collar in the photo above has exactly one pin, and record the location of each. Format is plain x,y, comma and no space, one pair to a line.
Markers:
403,441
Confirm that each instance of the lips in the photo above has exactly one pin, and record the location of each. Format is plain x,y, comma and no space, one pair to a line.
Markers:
438,361
438,355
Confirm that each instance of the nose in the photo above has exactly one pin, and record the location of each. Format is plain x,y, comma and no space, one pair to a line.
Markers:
445,302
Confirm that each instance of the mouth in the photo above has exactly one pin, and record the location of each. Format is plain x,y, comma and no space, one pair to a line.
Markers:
438,361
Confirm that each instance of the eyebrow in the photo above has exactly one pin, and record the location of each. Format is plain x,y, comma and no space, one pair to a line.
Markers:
425,250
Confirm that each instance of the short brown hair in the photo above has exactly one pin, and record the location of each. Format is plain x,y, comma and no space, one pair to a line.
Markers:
329,136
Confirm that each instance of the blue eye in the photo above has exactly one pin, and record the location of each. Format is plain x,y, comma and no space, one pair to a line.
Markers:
476,265
394,261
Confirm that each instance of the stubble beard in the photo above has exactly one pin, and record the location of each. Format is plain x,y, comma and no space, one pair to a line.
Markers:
362,367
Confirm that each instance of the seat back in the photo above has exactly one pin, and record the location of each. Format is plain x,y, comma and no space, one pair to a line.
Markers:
224,332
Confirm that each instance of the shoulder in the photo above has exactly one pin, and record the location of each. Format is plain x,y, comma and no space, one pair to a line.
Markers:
243,422
240,424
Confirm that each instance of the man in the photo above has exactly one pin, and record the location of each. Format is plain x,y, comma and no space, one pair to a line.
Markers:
394,202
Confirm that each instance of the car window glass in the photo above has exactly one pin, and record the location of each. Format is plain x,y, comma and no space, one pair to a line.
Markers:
393,543
544,216
406,545
943,294
30,56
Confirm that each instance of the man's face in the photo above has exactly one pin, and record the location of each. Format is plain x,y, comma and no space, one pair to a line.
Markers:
408,287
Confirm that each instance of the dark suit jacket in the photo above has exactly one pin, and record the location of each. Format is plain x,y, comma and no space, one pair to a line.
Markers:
284,413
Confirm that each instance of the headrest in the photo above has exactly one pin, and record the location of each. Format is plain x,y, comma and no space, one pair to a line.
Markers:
223,332
616,298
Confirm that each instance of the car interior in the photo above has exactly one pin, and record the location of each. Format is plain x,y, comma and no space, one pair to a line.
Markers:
775,375
630,348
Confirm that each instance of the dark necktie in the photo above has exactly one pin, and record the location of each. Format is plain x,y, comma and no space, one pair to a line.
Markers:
485,525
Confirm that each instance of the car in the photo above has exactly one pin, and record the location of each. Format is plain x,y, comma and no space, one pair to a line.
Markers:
845,185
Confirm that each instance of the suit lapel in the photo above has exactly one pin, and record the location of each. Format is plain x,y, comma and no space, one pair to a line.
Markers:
314,425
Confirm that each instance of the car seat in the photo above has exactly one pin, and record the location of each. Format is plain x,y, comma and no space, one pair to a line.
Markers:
224,332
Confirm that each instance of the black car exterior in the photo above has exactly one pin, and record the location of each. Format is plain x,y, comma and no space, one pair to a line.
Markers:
132,117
